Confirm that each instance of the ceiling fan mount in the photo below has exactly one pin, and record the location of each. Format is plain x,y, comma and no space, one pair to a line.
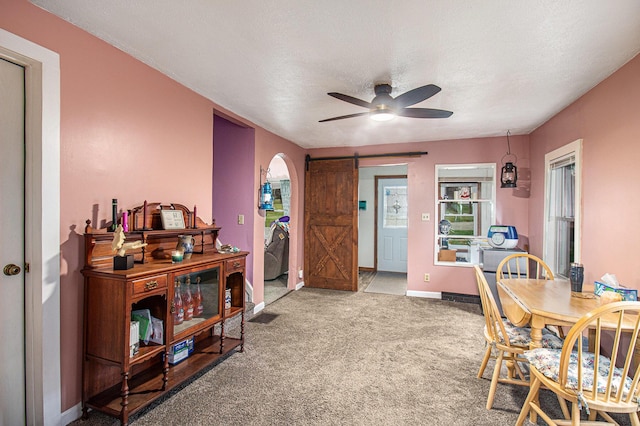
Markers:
384,106
379,89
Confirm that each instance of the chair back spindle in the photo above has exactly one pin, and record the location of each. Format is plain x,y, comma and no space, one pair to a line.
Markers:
518,265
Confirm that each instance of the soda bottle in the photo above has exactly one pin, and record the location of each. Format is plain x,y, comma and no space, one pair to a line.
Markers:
178,310
197,299
187,301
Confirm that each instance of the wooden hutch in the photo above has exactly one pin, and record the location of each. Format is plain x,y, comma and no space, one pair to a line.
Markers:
118,382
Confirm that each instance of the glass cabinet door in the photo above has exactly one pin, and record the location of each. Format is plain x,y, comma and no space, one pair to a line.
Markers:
195,298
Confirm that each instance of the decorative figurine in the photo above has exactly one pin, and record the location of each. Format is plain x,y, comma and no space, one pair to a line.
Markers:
120,246
123,261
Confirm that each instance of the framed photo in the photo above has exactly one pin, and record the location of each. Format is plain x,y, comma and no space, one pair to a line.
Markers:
172,219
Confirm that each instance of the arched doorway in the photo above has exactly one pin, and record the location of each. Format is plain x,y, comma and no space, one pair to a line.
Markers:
276,231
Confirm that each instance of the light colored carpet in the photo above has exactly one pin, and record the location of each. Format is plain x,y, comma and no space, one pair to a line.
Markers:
343,358
388,283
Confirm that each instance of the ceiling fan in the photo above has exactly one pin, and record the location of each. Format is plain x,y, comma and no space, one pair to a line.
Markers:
384,107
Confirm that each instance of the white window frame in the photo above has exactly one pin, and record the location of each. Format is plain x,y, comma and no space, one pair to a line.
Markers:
573,149
489,203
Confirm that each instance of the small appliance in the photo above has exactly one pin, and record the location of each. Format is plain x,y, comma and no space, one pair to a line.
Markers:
503,236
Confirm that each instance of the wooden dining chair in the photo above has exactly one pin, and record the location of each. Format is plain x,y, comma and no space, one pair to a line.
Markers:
572,371
505,342
523,265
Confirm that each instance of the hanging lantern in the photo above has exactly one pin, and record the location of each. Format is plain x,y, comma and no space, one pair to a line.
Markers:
266,193
509,173
266,197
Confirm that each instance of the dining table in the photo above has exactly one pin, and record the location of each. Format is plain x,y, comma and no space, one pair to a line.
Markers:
540,303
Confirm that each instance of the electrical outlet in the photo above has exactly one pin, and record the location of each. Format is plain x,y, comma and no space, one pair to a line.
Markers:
300,274
426,277
426,217
240,219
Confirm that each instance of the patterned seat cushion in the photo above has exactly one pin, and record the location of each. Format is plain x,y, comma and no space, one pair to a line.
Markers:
521,336
547,361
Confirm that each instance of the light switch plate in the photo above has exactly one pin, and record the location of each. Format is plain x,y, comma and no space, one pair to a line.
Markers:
240,219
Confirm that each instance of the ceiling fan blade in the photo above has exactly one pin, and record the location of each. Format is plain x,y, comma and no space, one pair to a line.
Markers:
424,113
344,116
414,96
351,100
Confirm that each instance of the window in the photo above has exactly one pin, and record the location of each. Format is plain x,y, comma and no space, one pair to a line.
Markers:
394,207
562,208
465,200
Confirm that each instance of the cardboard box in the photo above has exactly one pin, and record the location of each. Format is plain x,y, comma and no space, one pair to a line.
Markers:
447,256
180,351
628,294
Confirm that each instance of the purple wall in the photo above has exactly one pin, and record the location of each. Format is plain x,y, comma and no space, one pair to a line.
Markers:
233,191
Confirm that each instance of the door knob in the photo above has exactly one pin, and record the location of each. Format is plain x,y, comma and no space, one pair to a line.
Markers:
11,269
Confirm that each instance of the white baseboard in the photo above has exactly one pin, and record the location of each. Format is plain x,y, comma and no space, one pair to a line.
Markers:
71,415
249,290
299,285
258,307
426,294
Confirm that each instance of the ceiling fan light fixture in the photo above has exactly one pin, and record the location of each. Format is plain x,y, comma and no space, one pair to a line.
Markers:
382,116
382,113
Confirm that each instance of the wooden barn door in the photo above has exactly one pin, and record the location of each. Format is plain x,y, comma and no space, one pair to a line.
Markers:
331,224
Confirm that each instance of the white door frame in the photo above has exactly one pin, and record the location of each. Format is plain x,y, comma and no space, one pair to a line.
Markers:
42,225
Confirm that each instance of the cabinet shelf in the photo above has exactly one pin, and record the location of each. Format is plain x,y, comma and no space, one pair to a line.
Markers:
145,353
146,226
146,387
233,311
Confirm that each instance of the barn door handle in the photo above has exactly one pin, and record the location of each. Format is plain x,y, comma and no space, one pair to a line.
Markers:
11,269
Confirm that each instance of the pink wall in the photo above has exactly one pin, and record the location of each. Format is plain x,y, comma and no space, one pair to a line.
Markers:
606,118
512,204
267,146
127,132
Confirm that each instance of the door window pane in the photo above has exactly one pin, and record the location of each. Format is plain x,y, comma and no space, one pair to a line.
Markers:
395,207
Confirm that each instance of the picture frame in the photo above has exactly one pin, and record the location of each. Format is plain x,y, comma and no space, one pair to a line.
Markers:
172,219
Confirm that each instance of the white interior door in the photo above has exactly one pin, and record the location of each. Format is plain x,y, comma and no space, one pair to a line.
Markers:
392,224
12,294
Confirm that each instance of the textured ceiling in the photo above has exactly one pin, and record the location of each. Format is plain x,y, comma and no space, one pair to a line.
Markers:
502,64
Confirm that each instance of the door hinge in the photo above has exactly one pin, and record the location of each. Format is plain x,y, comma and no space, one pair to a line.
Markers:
26,267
